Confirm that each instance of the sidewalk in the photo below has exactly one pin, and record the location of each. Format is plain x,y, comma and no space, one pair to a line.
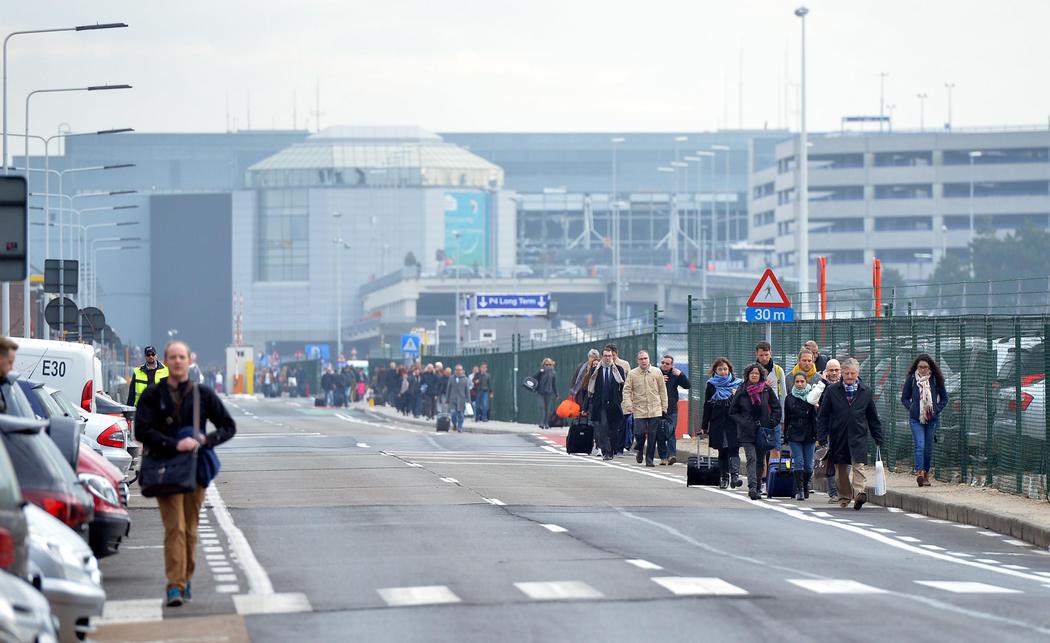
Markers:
1022,518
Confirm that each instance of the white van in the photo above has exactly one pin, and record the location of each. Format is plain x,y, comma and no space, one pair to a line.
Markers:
68,367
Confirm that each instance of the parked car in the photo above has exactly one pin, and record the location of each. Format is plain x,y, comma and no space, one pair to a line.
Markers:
69,367
111,523
61,564
25,615
13,529
107,436
45,477
65,431
106,405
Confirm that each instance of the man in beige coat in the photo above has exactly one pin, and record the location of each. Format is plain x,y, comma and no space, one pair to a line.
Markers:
645,396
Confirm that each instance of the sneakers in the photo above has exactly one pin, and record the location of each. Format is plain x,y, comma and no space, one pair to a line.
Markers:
671,460
187,594
736,481
833,499
174,597
723,483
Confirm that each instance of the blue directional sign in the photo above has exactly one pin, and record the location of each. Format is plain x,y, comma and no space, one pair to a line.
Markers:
755,314
410,344
500,305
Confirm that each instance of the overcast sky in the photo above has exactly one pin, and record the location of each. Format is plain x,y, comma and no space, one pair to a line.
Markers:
541,65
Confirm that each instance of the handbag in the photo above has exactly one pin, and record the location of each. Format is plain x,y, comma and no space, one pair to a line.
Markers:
880,474
468,410
765,439
568,408
177,473
530,384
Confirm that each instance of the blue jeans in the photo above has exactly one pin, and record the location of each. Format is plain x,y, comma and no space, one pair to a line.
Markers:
923,436
457,420
802,455
481,407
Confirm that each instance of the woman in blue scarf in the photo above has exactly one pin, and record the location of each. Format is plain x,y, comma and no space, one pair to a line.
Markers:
716,423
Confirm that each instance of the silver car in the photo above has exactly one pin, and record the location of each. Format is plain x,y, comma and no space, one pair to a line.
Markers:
62,565
24,613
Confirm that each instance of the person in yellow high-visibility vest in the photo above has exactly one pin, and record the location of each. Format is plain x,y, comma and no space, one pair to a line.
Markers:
145,376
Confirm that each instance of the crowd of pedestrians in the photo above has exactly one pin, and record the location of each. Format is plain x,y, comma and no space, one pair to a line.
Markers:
432,389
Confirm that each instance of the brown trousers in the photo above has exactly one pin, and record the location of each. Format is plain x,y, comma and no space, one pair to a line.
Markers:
842,480
180,514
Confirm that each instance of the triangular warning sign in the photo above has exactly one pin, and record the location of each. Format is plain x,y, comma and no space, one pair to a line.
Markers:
410,345
768,293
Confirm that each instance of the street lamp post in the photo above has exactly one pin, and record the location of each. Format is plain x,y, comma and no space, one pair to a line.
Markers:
922,110
949,87
455,277
803,177
616,256
47,214
701,240
725,193
94,260
973,232
338,241
882,75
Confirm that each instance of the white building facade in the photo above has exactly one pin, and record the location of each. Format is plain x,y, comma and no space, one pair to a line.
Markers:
904,198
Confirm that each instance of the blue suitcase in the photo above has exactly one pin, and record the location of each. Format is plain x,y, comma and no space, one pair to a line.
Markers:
780,481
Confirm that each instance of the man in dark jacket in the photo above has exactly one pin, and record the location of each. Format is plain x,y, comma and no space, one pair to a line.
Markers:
819,359
606,397
328,386
483,386
847,417
674,379
429,383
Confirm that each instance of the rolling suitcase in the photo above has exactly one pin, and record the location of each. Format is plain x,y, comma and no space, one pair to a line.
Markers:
580,438
780,481
319,401
702,470
444,422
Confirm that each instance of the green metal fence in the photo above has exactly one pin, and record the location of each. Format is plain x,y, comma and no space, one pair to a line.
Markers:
994,431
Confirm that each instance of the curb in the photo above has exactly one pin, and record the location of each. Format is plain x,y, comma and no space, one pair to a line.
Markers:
918,503
956,512
468,427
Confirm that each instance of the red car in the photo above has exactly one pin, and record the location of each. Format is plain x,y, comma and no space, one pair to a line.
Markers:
109,492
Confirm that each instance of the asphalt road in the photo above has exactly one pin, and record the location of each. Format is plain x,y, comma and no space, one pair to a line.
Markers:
344,526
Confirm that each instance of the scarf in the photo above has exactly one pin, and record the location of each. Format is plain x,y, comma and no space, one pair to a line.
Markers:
809,374
925,399
725,386
597,373
851,391
801,394
754,391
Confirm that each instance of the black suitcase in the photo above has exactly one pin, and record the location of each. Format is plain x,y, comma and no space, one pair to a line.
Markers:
702,470
780,479
319,401
580,438
444,422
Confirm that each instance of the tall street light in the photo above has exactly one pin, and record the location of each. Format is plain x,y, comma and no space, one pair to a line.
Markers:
922,110
615,201
882,78
455,277
47,214
95,27
701,241
338,241
94,259
949,87
94,253
976,154
802,257
725,192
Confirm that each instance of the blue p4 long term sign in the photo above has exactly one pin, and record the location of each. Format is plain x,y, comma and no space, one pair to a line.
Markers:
501,305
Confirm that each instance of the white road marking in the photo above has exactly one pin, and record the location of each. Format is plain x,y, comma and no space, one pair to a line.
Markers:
806,509
134,611
227,589
938,521
909,539
558,590
915,515
932,547
1017,543
413,464
216,557
989,533
450,480
363,445
643,564
963,587
222,570
834,586
965,526
554,528
695,586
959,553
988,561
212,550
495,501
895,510
347,418
860,524
285,603
883,530
226,578
822,514
1015,567
425,595
279,435
258,580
